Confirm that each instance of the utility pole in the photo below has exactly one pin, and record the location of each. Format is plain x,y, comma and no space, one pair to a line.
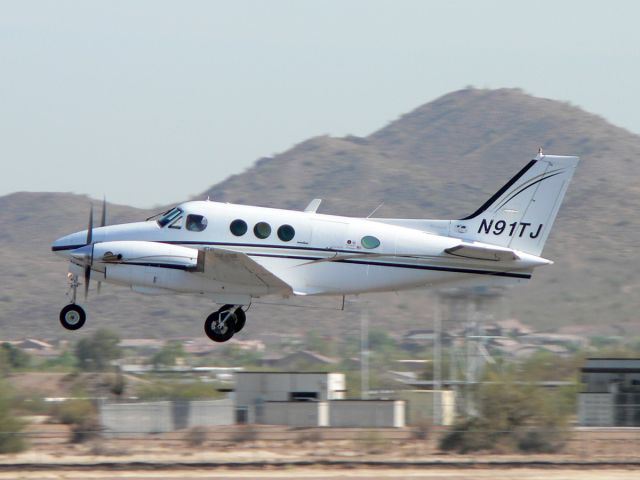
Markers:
364,354
437,361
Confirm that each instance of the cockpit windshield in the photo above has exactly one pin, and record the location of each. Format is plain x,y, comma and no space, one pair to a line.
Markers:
170,216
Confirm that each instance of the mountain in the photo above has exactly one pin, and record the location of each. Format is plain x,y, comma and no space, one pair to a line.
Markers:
441,160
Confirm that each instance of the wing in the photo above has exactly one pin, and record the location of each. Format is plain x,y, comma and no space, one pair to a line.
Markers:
239,269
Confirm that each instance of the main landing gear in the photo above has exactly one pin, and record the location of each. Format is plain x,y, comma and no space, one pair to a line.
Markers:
220,326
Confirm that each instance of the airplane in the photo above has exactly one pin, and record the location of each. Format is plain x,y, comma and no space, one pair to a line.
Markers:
234,254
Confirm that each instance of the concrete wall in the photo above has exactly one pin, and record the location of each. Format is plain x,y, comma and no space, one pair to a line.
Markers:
124,418
595,410
367,413
294,414
434,406
159,417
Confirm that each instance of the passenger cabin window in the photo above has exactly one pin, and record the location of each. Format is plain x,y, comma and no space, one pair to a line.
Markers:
171,216
262,230
286,233
196,223
238,227
370,242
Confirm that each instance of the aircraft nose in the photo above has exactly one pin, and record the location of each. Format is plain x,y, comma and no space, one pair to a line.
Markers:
64,245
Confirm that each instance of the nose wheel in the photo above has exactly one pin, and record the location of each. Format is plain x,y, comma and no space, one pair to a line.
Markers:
220,326
72,317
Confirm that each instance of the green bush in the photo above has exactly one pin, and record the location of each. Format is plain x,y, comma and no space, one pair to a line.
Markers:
11,438
178,391
74,412
511,416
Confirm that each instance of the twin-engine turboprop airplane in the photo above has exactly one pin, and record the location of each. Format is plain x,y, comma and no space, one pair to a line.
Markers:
235,253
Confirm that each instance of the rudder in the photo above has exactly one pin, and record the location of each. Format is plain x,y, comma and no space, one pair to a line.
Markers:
520,215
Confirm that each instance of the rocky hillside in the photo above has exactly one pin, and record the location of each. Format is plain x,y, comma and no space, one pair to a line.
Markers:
439,161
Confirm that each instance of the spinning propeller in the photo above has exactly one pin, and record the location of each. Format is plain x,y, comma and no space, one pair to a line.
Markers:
88,257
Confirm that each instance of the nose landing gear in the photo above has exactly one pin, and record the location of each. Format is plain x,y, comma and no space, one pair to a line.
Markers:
72,316
221,325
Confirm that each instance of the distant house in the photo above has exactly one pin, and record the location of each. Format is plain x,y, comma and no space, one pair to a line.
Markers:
299,360
508,328
415,340
611,395
36,347
141,344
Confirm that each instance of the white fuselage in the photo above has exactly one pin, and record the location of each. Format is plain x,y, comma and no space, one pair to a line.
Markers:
405,258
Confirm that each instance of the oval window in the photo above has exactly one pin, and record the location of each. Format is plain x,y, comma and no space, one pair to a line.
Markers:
370,242
238,227
262,230
286,233
196,223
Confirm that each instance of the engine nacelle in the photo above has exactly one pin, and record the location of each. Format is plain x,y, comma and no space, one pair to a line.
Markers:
150,254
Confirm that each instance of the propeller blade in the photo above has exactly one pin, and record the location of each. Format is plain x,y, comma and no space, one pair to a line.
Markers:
103,217
87,279
90,227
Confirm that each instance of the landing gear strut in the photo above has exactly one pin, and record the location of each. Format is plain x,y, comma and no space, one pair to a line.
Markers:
72,316
221,325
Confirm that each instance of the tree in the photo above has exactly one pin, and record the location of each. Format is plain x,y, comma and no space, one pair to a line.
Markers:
16,357
168,354
96,353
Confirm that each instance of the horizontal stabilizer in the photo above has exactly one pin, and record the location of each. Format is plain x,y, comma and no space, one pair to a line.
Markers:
481,252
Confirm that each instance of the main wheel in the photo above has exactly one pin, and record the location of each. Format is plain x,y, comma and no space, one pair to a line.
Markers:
72,317
241,317
220,325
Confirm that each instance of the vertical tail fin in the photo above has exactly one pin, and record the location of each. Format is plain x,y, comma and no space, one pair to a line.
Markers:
521,213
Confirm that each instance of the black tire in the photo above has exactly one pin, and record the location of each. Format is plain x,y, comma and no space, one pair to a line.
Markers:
72,317
220,333
241,319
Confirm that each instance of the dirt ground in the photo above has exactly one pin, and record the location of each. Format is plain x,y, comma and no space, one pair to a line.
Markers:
319,474
280,453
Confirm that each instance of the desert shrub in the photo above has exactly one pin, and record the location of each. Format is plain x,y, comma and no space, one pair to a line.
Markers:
421,429
87,429
81,415
178,391
470,435
541,440
244,434
196,436
312,436
11,438
74,412
511,416
372,442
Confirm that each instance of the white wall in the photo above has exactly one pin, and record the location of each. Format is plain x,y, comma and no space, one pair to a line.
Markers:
159,417
294,414
367,413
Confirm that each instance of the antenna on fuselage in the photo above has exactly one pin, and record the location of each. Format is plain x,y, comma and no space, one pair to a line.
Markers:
375,210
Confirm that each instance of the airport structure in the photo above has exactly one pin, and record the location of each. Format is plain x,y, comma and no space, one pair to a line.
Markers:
612,393
309,399
294,399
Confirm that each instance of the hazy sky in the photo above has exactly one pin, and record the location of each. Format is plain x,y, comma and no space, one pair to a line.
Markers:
150,102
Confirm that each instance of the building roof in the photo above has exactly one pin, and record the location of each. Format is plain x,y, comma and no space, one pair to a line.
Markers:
612,365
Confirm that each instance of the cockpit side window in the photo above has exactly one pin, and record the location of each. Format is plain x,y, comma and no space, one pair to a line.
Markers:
170,217
196,223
